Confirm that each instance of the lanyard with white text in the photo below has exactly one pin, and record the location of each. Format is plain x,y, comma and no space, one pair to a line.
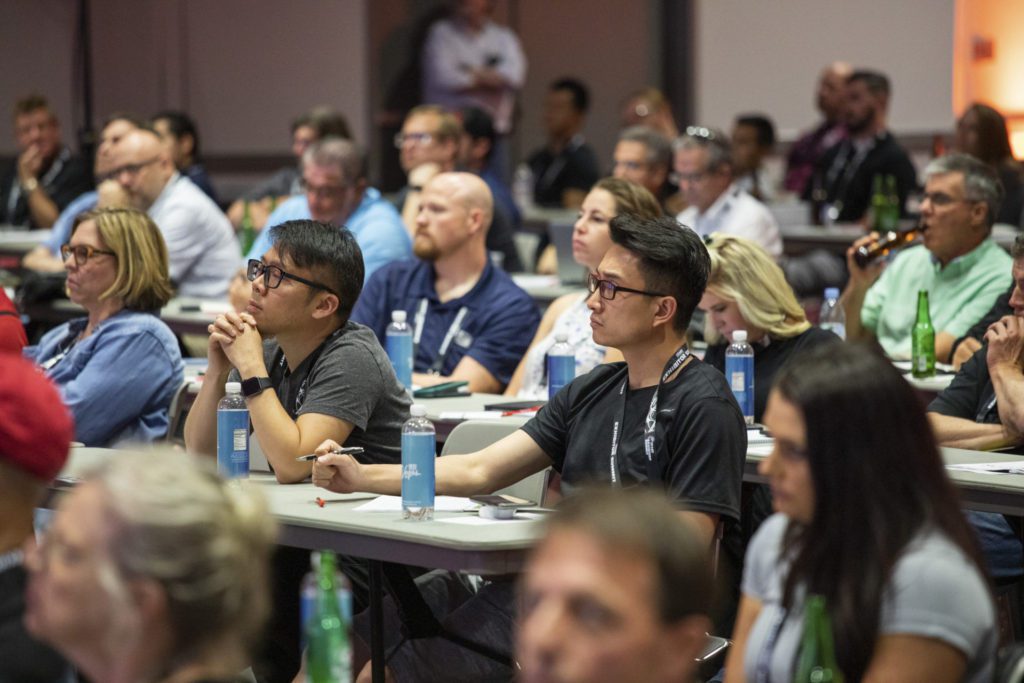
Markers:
453,329
650,424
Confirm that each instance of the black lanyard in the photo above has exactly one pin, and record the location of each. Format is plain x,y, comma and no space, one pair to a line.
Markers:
281,370
449,336
848,164
654,474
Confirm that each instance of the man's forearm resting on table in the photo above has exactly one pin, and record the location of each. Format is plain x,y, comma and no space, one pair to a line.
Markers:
957,432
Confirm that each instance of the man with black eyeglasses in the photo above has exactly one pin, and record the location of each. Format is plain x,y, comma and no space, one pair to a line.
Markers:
957,263
308,373
321,376
662,418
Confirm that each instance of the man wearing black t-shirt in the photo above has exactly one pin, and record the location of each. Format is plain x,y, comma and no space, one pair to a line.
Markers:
598,428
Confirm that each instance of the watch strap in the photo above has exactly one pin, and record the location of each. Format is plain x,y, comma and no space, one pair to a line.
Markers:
255,385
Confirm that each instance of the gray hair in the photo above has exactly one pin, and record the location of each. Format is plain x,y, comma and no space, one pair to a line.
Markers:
714,141
981,183
205,541
659,149
340,153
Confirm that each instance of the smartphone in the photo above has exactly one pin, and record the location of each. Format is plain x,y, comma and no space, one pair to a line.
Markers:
502,501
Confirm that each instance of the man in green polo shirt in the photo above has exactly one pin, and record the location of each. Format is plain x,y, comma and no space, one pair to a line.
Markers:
958,263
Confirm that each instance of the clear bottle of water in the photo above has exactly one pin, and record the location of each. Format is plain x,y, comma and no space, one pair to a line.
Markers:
561,364
832,316
308,591
398,344
418,453
739,371
522,187
233,433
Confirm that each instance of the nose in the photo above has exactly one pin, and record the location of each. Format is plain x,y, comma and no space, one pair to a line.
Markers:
767,466
1017,300
540,636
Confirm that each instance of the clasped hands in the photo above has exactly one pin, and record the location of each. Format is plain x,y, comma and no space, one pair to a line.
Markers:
235,340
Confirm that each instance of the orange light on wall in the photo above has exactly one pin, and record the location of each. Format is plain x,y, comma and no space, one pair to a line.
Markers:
988,53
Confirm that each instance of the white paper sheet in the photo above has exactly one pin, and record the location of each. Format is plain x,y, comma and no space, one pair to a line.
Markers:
394,504
1004,467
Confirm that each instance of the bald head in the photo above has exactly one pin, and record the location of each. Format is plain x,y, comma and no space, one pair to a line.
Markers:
831,88
455,213
143,167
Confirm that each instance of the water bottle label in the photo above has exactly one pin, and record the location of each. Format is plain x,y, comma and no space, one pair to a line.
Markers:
738,381
399,350
418,470
561,371
233,443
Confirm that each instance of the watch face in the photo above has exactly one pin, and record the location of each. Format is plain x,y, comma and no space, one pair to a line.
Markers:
254,385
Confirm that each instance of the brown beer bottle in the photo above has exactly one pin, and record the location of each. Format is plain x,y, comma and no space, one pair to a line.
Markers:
891,241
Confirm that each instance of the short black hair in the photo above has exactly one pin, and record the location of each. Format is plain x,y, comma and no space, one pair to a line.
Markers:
876,81
331,253
478,124
579,92
673,259
762,124
327,122
180,124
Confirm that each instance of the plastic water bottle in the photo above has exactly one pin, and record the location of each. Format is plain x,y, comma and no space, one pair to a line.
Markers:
329,647
233,433
522,187
739,370
418,453
561,364
398,344
307,596
832,316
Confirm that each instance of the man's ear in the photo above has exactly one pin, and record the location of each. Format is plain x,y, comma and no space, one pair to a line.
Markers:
666,311
188,143
149,599
326,305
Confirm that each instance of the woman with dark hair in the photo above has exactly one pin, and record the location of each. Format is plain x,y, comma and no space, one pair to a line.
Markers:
867,519
981,132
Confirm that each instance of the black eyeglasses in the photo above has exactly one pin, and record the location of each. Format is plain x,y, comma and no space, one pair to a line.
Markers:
82,252
272,276
415,138
609,288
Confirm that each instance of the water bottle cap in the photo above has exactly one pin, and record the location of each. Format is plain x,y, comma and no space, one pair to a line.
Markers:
417,410
739,336
561,338
233,388
398,316
832,293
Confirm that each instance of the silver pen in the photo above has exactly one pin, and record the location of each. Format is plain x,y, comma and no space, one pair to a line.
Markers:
350,450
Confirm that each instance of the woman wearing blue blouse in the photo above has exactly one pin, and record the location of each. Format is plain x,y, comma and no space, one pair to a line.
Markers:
119,367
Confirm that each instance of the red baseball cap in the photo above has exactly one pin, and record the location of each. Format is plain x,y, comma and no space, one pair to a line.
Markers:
35,427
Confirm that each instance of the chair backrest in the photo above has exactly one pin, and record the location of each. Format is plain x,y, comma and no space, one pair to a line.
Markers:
181,402
473,435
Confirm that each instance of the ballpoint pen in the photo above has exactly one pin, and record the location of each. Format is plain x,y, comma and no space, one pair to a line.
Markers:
350,450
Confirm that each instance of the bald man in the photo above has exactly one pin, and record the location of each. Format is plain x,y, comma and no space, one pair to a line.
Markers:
806,151
203,251
470,321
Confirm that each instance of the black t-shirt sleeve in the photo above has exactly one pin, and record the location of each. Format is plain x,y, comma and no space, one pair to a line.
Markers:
549,428
705,468
73,181
961,397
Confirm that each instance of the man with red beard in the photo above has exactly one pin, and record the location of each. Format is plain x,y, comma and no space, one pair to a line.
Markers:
470,321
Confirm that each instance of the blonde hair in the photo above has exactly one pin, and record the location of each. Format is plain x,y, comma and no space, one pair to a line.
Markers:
448,125
743,272
143,281
205,541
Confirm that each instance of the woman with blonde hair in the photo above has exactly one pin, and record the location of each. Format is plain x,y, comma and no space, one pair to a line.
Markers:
118,367
154,569
569,314
748,291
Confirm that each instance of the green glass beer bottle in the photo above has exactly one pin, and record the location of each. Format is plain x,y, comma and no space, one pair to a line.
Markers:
922,349
329,651
892,204
246,230
817,660
879,205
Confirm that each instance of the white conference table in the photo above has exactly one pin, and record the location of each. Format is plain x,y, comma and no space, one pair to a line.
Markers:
498,547
15,242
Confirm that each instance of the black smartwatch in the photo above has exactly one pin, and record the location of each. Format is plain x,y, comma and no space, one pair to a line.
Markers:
255,385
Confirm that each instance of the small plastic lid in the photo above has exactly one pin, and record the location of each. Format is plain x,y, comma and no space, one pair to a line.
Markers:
561,338
739,336
417,410
398,316
233,388
832,293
